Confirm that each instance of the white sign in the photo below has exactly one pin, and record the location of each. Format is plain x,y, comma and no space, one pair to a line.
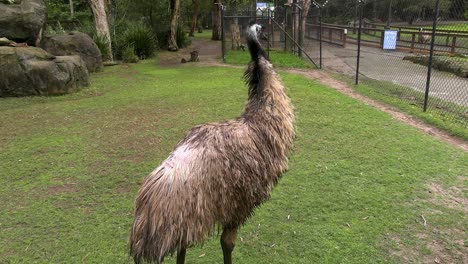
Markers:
390,39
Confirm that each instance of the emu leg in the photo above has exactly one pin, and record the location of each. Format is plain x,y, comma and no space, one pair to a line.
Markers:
181,256
228,239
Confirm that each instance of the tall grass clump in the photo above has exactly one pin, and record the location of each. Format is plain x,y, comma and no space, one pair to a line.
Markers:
182,37
128,55
141,38
102,44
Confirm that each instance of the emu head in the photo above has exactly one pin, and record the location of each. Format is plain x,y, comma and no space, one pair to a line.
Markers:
258,31
254,30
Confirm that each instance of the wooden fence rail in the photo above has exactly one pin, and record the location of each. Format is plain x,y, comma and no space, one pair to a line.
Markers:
337,34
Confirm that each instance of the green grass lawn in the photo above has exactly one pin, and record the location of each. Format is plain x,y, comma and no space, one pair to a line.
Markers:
360,187
206,34
364,36
442,114
457,27
278,58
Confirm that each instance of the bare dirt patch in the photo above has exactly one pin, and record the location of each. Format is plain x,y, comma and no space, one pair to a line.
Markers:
432,246
209,54
451,198
324,78
427,241
440,253
59,189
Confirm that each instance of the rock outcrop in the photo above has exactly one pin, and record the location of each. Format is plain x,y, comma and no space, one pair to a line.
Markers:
74,43
23,20
27,71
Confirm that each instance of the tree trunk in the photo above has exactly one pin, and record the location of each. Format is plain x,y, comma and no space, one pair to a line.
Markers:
196,9
72,11
305,13
235,34
216,17
102,27
296,18
172,40
253,6
374,11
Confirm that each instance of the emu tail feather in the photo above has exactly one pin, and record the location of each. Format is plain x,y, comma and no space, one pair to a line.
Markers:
168,216
145,245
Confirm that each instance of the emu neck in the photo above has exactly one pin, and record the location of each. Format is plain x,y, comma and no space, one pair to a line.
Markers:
269,112
267,95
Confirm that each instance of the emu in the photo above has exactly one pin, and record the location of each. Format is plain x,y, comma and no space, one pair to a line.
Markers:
218,173
424,36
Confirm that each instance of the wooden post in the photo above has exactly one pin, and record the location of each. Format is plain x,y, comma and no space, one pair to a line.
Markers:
382,36
330,34
344,38
413,39
454,43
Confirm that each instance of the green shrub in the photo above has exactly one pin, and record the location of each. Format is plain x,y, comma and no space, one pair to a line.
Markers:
59,29
128,55
162,39
54,30
141,38
102,44
50,31
182,38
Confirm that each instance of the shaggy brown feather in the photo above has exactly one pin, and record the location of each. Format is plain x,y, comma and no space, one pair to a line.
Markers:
218,174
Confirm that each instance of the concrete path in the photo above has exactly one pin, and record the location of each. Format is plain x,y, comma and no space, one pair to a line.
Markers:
390,66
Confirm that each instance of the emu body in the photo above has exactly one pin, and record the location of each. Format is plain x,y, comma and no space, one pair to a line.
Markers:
424,36
219,173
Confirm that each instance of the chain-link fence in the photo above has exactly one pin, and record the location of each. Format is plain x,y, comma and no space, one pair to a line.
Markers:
278,32
414,51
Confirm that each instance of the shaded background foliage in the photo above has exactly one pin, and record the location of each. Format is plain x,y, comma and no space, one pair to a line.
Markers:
131,22
154,16
342,11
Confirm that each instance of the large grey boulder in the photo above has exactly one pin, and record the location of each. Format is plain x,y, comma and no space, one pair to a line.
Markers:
75,43
23,20
27,71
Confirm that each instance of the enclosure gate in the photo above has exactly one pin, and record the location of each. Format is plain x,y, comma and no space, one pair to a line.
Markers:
281,29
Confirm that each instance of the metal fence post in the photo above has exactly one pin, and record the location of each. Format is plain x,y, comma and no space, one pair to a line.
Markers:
431,55
270,24
359,41
223,37
320,35
268,35
294,20
285,27
300,35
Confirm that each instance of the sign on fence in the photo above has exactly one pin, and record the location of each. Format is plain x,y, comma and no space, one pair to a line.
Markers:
390,39
265,9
